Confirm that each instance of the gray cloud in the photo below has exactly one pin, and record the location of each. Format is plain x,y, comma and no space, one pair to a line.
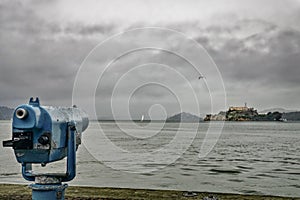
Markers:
256,50
266,61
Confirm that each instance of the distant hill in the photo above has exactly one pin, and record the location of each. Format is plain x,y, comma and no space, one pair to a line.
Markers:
6,113
184,117
281,110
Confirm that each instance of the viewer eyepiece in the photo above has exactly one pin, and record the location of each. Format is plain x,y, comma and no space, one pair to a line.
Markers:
21,113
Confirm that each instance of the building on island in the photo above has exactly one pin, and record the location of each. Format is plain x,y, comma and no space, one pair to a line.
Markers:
234,113
243,113
242,108
218,117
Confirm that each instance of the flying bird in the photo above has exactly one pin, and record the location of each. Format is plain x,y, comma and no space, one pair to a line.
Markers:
201,76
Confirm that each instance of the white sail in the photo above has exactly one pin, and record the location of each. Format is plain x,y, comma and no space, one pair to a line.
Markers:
142,119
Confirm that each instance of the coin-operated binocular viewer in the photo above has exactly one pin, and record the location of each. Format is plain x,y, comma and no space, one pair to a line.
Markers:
44,134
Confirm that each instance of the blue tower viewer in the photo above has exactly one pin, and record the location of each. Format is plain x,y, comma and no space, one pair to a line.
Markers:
44,134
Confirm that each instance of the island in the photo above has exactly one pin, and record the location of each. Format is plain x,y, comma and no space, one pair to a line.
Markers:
245,113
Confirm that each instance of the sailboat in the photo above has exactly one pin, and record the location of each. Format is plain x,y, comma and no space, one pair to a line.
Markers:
142,119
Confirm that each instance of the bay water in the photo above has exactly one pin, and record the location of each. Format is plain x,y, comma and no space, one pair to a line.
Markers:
248,158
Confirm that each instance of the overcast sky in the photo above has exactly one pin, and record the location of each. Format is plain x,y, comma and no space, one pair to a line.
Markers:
254,43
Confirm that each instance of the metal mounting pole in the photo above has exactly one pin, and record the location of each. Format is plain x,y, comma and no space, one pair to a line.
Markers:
48,191
50,187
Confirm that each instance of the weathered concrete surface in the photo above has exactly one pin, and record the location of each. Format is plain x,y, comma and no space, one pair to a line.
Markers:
8,191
